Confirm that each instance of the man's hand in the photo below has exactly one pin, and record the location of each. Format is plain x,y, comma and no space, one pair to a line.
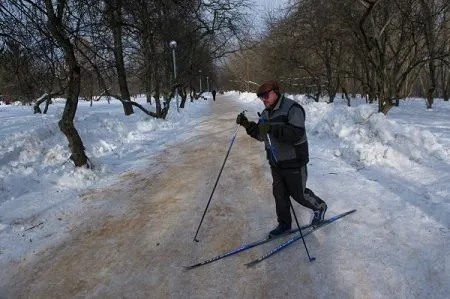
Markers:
264,128
242,120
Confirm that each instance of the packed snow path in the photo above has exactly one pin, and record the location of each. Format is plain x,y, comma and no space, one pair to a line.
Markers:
394,246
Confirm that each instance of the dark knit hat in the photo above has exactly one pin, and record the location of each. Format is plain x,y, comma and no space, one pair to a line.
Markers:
268,86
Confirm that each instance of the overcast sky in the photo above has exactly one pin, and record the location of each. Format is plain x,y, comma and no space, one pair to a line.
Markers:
263,6
270,3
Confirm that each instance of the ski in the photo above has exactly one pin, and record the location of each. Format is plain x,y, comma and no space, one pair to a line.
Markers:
244,248
297,237
256,243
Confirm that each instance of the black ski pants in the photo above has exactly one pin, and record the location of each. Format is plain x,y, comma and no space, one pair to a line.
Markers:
292,183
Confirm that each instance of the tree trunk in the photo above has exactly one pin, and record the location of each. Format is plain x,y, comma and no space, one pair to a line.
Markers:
47,103
115,14
344,91
432,87
148,61
192,93
156,78
76,146
66,125
157,97
39,101
445,84
445,94
385,105
183,94
148,95
47,98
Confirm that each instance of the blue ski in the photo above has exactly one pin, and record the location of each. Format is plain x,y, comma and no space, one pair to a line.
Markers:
257,243
244,248
297,237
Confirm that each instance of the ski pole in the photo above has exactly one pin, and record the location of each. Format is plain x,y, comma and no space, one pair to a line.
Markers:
311,259
272,149
217,180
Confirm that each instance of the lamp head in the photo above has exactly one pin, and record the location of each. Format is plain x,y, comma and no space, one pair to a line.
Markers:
173,44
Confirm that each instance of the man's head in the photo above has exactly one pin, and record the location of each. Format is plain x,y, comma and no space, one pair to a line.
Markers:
269,93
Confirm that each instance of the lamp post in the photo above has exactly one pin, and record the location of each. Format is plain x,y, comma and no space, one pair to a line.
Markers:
200,73
207,83
173,45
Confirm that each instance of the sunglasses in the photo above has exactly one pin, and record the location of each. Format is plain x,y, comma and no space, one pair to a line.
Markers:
265,95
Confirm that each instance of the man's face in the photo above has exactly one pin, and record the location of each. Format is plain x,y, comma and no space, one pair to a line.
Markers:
269,99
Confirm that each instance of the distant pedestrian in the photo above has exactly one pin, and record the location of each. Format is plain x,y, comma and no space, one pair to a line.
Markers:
214,94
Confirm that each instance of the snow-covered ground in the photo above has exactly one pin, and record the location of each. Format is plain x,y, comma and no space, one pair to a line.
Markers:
394,169
37,179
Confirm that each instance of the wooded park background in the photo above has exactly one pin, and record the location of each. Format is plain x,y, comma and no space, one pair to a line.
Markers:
384,50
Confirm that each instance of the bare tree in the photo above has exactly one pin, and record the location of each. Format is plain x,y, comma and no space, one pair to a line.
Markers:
390,46
431,25
380,49
113,11
57,28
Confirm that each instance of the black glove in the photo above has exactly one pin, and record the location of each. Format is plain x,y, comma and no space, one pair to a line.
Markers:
242,120
264,128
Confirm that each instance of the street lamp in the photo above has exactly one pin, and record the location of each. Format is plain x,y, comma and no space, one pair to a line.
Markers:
173,45
200,90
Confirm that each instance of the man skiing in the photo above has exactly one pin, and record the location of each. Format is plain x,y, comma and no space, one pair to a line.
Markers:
282,128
